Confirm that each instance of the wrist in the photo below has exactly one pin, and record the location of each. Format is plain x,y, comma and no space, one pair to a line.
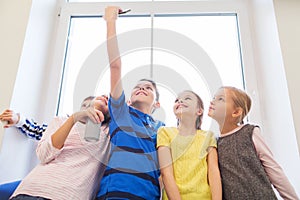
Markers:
21,120
73,117
110,20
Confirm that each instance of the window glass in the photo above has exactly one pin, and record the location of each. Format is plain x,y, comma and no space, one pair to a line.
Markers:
213,38
179,52
86,36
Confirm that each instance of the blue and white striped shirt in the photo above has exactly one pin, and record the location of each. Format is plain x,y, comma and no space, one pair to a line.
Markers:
133,170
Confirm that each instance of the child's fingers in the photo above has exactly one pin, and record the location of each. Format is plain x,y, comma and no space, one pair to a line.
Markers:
6,118
95,115
91,115
7,125
5,115
100,116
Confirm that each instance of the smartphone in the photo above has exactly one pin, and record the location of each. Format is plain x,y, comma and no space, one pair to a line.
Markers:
124,11
92,131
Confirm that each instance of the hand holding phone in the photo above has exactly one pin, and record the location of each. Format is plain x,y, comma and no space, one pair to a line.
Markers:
112,12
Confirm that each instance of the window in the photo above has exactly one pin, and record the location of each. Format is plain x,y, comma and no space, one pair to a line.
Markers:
183,50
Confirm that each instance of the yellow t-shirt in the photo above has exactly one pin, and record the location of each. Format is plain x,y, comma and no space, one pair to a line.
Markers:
189,161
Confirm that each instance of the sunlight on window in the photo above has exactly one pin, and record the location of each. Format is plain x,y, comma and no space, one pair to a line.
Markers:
218,37
215,35
87,34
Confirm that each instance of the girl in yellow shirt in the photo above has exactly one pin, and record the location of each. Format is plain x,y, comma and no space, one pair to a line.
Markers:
187,155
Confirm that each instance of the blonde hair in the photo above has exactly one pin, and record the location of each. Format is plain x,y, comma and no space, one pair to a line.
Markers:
241,100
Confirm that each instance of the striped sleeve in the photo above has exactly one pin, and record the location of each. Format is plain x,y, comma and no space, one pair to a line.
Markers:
31,129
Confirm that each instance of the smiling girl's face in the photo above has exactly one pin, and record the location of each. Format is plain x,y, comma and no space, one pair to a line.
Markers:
185,103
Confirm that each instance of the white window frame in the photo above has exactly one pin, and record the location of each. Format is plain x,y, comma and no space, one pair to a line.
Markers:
167,7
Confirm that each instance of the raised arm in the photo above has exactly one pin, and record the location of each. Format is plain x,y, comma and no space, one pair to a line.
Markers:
111,15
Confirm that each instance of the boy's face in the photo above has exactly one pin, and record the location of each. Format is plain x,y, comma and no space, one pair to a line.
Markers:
143,92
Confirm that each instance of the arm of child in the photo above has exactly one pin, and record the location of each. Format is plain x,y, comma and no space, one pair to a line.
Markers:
167,174
60,135
214,177
30,128
111,15
272,168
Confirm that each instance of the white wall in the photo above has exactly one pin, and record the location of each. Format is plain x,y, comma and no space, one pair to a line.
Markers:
11,47
288,17
14,17
26,45
278,123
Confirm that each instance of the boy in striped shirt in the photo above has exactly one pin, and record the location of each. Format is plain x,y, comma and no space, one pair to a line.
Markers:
133,170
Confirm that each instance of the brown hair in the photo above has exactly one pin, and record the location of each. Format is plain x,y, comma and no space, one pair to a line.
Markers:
241,99
198,122
88,98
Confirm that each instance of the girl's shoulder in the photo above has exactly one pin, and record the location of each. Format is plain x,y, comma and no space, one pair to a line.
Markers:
206,136
205,133
249,126
168,128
